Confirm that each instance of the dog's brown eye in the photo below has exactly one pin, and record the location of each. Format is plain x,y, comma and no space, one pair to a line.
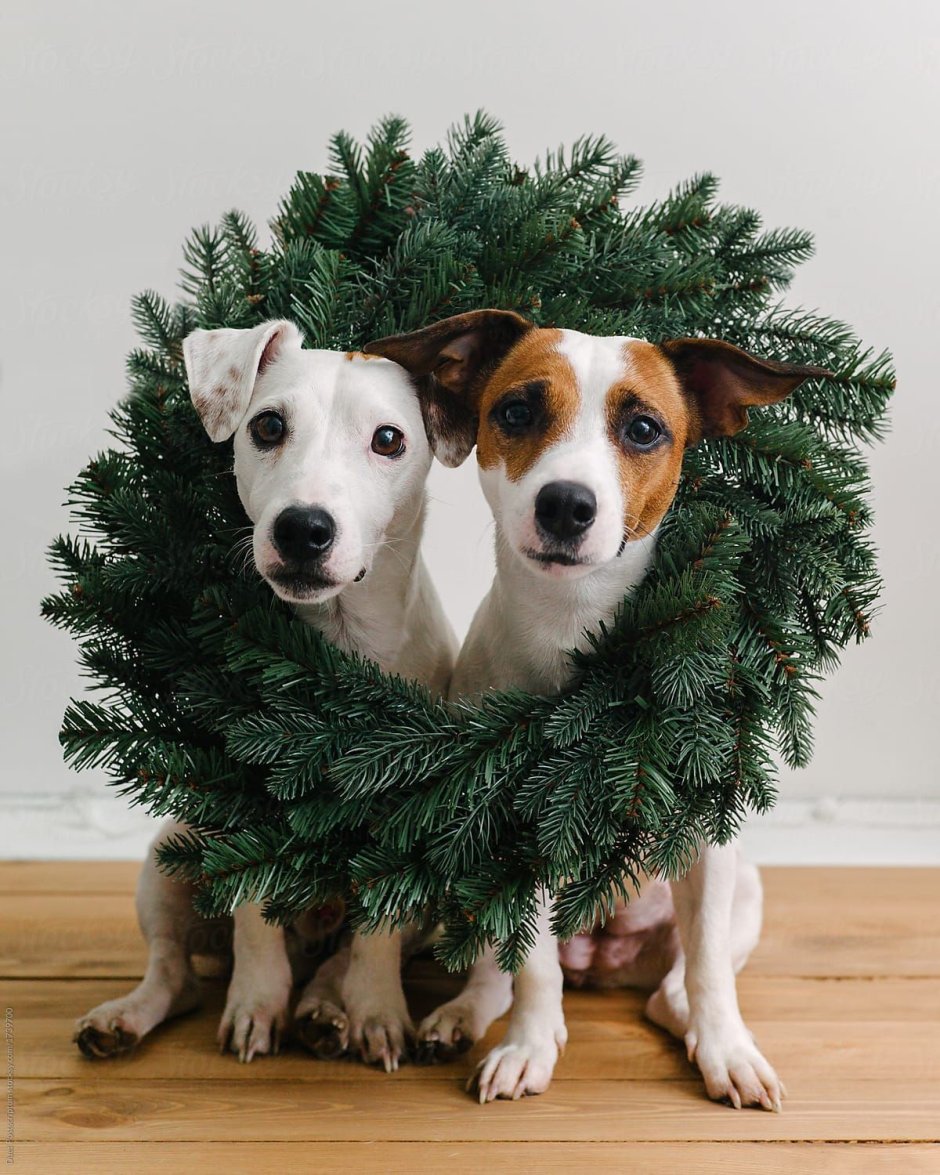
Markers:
643,431
388,441
268,429
516,414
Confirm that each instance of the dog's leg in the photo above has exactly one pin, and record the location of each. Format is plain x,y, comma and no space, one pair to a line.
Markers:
668,1006
380,1027
525,1060
718,913
169,987
255,1015
320,1021
455,1026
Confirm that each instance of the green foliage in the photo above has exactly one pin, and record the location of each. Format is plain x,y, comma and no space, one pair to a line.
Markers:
305,772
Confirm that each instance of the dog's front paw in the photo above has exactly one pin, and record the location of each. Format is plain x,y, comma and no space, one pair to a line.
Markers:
381,1035
734,1069
107,1031
255,1017
519,1066
322,1027
117,1026
449,1031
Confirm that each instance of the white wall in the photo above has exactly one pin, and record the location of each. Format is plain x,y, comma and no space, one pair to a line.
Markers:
125,124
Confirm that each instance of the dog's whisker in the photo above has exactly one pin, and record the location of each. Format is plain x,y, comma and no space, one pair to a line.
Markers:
397,555
636,528
242,551
382,543
242,544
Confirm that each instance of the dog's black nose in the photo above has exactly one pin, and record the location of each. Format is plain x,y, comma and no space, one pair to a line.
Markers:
565,509
302,533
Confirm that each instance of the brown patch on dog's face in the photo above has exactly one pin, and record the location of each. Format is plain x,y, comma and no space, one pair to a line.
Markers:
649,475
536,376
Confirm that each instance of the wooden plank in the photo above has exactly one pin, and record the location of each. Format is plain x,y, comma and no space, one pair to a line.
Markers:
776,997
875,891
761,997
818,922
75,934
185,1051
849,921
465,1158
843,995
114,877
846,954
607,1040
355,1110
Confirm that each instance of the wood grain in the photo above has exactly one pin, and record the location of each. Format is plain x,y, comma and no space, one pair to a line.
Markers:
458,1158
843,994
822,923
608,1038
395,1109
22,877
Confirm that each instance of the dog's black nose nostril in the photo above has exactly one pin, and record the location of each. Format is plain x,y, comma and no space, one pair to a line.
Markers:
565,509
303,532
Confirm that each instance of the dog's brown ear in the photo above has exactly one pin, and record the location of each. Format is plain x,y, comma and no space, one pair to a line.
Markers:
451,361
723,382
223,365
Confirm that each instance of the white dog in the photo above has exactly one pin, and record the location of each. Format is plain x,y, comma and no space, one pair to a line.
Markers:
580,442
331,458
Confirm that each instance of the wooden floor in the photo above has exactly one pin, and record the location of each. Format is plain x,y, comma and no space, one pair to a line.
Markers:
843,995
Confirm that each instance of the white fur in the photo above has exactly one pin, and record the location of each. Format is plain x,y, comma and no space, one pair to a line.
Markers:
332,404
520,636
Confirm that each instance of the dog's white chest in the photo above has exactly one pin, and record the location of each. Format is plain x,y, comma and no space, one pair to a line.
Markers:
525,629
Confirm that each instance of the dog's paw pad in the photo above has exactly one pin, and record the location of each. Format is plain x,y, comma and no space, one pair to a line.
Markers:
97,1041
431,1051
323,1031
444,1035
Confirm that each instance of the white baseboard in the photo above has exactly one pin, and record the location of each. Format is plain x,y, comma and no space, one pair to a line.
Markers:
84,823
92,822
847,831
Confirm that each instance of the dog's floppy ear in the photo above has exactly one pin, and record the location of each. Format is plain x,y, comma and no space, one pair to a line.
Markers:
724,381
222,366
451,361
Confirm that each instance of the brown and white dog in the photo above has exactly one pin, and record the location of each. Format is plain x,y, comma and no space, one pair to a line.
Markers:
580,442
331,459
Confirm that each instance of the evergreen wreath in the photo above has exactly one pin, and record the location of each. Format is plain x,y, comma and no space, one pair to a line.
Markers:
306,773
